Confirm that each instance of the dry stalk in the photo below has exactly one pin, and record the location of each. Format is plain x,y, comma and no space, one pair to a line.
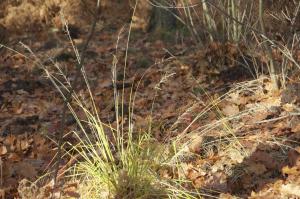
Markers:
67,99
267,48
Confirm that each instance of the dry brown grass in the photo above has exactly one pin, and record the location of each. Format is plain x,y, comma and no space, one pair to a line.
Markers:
31,15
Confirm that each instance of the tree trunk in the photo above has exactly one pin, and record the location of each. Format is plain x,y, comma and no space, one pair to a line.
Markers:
154,16
163,17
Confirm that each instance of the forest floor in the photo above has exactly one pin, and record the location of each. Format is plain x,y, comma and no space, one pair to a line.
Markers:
241,137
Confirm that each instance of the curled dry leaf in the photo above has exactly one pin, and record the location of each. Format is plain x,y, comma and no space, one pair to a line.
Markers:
24,145
238,99
231,110
235,156
10,141
196,145
3,150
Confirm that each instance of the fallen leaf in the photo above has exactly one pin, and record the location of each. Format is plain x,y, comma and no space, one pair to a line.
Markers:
14,157
231,110
290,170
2,193
297,149
3,150
294,158
226,196
291,189
295,124
10,140
265,158
70,190
257,168
196,145
216,182
193,174
24,144
26,170
19,110
235,155
237,99
288,107
72,193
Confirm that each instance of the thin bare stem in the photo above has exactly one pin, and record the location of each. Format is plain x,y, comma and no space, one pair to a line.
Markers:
267,47
68,98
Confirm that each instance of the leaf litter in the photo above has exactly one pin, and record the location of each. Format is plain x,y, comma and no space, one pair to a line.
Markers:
240,140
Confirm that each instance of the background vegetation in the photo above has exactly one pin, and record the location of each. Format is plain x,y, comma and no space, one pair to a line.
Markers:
149,99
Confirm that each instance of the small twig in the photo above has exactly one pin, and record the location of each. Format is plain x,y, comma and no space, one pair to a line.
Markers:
277,118
63,170
267,47
68,97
